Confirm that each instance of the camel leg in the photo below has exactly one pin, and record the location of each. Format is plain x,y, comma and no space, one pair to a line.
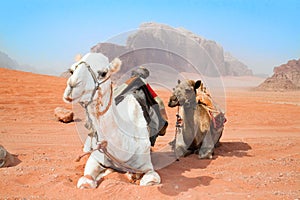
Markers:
217,131
93,172
132,178
150,178
104,173
207,147
217,134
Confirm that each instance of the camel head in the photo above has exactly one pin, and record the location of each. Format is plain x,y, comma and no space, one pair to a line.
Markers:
89,72
184,93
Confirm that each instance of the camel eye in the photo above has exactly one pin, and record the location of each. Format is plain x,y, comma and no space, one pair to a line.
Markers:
102,74
71,71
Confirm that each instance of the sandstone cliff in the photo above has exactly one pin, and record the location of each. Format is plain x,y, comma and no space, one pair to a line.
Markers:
285,77
175,47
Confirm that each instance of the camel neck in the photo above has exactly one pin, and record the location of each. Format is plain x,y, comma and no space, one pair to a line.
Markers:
188,124
104,101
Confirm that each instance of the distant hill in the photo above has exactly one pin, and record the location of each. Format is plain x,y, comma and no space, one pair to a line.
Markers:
175,47
7,62
285,77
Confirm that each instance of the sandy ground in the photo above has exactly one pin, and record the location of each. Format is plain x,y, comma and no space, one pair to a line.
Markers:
258,157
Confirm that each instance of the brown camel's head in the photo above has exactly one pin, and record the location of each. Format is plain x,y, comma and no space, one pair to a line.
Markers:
184,93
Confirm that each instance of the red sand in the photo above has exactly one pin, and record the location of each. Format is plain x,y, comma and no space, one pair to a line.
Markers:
258,158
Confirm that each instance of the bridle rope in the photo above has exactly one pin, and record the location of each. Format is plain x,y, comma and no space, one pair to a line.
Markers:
101,145
97,85
178,127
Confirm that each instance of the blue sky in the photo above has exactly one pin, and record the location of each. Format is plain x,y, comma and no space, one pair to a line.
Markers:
47,34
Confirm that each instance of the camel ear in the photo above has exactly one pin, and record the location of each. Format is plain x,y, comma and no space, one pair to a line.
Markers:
178,81
197,84
115,65
77,57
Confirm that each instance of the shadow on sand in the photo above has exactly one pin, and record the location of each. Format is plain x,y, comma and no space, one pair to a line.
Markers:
16,161
175,178
11,160
7,159
232,149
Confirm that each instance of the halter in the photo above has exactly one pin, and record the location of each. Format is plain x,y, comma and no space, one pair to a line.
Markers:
178,129
101,145
97,85
89,123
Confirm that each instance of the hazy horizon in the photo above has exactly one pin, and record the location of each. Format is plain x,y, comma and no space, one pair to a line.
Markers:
46,35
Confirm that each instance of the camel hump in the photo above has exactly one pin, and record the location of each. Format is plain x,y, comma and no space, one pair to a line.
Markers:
204,98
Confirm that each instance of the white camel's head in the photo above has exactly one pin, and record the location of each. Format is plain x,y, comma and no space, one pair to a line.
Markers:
90,70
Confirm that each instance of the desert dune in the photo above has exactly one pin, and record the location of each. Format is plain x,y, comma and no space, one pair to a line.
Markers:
258,157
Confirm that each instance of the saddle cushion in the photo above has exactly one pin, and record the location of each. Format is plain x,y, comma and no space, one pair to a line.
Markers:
145,96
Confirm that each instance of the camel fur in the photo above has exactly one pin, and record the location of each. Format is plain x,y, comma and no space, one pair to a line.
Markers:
121,126
197,133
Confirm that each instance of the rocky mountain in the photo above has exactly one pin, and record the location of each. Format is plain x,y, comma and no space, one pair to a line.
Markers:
7,62
175,47
235,67
285,77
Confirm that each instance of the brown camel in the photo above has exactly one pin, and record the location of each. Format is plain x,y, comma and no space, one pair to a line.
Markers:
201,129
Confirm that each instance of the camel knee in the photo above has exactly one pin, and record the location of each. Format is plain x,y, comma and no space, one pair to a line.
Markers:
86,182
150,178
92,168
91,172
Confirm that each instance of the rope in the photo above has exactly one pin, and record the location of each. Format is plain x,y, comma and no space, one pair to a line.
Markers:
101,147
177,127
120,164
100,113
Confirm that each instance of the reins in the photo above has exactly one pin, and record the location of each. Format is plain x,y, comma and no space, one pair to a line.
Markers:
178,127
101,146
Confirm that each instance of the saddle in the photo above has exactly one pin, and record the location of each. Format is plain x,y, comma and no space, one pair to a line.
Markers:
145,96
217,117
205,99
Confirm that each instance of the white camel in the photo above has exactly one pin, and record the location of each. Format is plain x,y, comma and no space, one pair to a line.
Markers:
120,137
